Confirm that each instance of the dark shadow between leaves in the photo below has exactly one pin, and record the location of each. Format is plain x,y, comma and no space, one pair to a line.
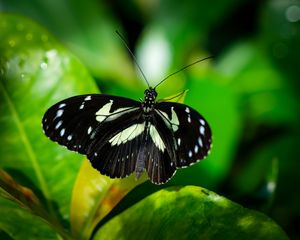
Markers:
5,236
23,180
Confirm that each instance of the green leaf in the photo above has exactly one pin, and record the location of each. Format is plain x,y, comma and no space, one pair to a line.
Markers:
189,213
18,224
261,86
36,72
88,29
27,200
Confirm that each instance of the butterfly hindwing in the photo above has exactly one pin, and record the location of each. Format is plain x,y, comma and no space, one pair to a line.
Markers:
161,163
190,131
134,144
115,152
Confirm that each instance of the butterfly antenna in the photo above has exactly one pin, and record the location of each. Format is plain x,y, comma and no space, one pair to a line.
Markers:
176,96
187,66
133,57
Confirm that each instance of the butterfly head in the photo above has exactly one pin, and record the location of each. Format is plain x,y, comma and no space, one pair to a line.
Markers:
149,99
150,94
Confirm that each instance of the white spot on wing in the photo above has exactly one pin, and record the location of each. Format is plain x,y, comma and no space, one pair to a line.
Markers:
157,139
89,130
58,124
69,137
187,110
174,120
62,132
165,115
200,141
81,106
117,113
190,153
201,130
196,149
202,122
59,113
127,134
189,118
88,98
104,111
61,105
178,141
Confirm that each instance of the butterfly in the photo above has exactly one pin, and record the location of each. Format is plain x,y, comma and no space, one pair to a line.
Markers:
121,136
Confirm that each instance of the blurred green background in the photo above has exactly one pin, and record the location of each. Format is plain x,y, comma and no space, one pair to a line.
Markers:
249,92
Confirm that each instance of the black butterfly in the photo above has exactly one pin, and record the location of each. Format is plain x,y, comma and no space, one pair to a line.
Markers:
121,136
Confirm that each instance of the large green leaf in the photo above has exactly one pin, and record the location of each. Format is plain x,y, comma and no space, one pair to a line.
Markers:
87,28
27,200
260,86
269,107
189,213
36,72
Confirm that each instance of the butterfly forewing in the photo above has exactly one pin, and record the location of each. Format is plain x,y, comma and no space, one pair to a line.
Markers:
76,122
190,131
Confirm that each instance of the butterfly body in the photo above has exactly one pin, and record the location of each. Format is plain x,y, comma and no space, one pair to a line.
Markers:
121,136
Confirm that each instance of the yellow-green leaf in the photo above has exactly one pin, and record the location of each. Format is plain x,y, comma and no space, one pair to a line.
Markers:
94,196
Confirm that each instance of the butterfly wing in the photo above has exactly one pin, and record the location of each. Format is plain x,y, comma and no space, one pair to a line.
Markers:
115,152
134,145
190,132
161,159
78,121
